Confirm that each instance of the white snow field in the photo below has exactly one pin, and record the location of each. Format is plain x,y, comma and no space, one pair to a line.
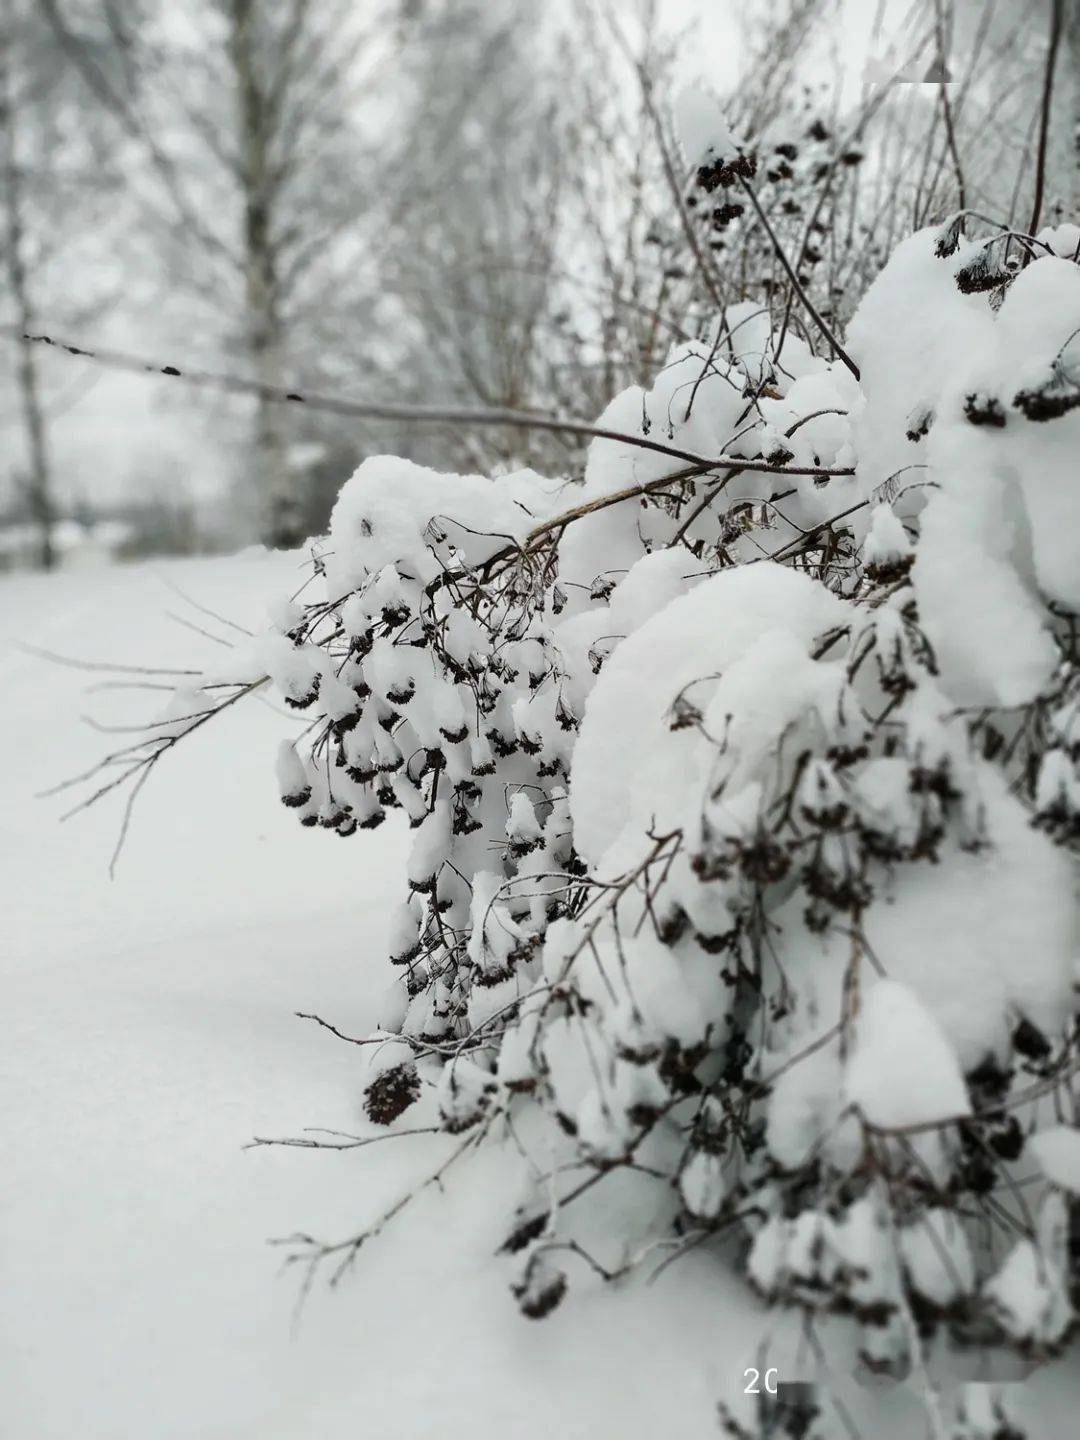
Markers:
149,1033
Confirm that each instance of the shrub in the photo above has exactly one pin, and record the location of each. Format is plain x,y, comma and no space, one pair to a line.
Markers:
743,779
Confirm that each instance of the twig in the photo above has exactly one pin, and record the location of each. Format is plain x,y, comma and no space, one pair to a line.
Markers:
804,541
75,664
359,409
345,1142
796,285
946,107
349,1039
203,609
314,1252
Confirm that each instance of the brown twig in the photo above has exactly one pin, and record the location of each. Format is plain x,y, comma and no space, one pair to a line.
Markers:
358,409
781,255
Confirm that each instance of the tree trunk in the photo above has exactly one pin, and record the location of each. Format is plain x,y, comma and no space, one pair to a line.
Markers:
281,520
37,488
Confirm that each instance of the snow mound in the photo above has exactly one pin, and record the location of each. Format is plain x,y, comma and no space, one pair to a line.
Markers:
903,1071
636,768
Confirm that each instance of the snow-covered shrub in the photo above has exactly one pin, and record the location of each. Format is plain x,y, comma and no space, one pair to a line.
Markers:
742,838
744,779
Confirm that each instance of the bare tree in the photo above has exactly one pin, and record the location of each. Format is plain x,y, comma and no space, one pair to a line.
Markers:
518,269
257,118
243,118
37,485
57,186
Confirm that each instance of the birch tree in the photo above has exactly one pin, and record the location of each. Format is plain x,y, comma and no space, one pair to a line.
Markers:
57,200
37,484
243,119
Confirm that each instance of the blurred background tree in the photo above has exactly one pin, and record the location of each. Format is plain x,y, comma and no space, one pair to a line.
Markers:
59,182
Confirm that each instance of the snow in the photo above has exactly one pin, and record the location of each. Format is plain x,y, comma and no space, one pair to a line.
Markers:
982,617
911,336
804,1108
703,131
936,1255
649,991
1063,240
1038,324
1057,1152
1003,518
631,769
886,540
955,932
588,636
1029,1290
383,518
150,1034
903,1071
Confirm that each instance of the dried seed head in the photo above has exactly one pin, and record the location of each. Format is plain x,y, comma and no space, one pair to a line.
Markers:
391,1093
982,273
948,241
1059,394
983,409
540,1289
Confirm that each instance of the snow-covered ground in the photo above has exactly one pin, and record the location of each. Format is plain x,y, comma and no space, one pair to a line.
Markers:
149,1033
